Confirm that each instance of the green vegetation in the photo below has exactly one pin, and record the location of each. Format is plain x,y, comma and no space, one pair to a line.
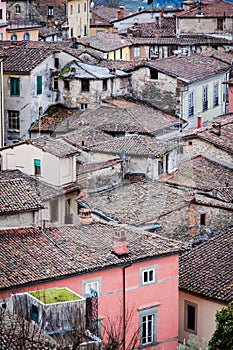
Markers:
54,295
222,338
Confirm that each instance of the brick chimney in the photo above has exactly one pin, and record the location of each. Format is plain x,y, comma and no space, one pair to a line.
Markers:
120,12
120,243
85,216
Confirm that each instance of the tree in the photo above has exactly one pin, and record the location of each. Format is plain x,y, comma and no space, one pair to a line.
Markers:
222,338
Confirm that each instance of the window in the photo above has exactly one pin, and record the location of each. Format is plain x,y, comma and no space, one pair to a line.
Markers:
154,74
0,13
105,84
39,85
56,62
190,317
71,32
66,85
180,150
85,6
85,30
85,85
92,286
121,53
34,313
203,219
13,121
71,9
191,107
215,95
50,10
148,275
78,8
8,16
40,111
219,23
114,55
54,210
37,167
55,83
148,325
137,52
14,37
26,36
14,86
83,106
205,98
17,9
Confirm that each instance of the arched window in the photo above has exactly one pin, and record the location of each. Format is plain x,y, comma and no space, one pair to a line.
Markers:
26,36
17,9
14,37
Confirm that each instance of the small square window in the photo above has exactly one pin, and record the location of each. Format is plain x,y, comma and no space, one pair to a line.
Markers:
85,85
148,275
83,106
92,287
154,74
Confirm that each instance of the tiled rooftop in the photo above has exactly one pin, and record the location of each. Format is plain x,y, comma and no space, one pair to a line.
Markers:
197,66
23,60
183,40
201,172
105,42
165,26
58,147
140,203
119,116
17,195
206,270
132,144
29,255
217,8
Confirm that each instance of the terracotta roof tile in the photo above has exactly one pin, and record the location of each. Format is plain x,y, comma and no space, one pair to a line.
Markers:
197,66
217,8
105,42
17,195
206,270
30,255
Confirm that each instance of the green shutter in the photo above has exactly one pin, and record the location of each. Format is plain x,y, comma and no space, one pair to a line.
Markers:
39,85
14,86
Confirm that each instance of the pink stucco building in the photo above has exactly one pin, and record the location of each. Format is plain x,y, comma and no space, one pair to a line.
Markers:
134,273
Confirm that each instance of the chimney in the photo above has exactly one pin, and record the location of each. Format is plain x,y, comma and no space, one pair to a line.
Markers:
120,12
199,122
85,216
120,243
216,129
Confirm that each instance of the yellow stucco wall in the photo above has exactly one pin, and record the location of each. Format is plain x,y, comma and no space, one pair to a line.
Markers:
120,54
78,18
206,311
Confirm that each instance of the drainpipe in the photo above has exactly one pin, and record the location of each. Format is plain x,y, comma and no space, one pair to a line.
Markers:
124,305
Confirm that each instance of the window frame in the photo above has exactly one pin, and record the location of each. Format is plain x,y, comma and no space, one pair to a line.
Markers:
50,11
37,167
136,52
85,85
144,318
55,83
190,104
91,281
54,210
13,120
147,270
205,98
39,84
26,36
216,94
14,86
17,9
188,303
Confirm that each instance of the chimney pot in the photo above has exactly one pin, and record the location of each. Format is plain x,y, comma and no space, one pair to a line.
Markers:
85,216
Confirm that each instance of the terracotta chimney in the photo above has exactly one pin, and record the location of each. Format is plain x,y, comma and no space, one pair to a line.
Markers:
120,12
85,216
120,243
